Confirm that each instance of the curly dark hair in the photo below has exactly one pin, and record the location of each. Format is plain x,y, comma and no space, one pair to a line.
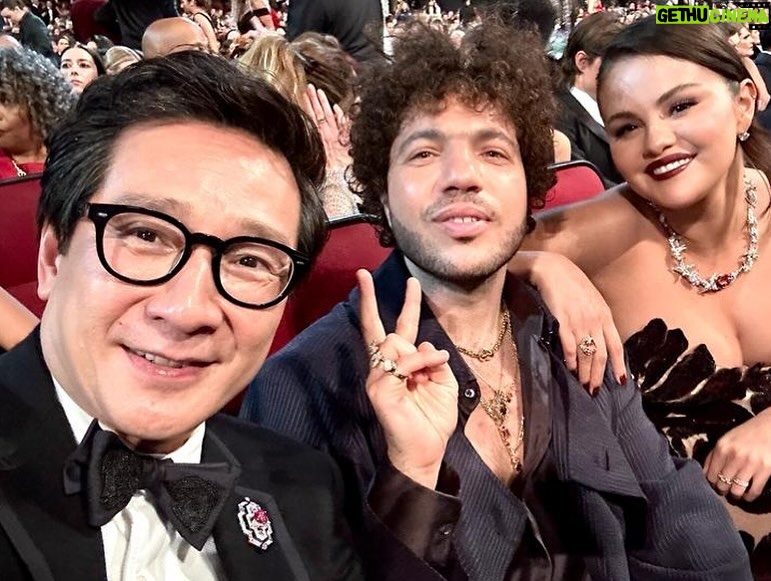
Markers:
494,65
33,82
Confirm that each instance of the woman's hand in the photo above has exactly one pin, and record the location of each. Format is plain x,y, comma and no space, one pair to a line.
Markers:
412,389
587,331
333,127
740,464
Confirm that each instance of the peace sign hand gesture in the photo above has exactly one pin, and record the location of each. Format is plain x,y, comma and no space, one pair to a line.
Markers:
412,389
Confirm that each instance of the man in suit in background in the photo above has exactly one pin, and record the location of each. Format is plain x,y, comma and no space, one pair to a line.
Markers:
179,209
130,18
33,32
357,24
579,116
763,62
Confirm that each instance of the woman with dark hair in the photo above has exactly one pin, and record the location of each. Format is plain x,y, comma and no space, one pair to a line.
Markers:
691,232
196,10
80,66
33,97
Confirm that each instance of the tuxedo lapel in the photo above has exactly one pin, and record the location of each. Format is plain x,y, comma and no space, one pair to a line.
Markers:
242,560
37,516
583,116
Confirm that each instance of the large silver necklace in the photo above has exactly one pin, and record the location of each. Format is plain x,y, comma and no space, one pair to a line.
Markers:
716,282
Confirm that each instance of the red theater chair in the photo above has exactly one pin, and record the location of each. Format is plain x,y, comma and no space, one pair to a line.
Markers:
352,244
19,239
576,181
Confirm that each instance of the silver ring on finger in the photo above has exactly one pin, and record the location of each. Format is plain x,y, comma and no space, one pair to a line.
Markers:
389,366
588,346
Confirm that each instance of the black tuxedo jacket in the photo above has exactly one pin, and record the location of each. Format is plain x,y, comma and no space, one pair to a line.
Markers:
588,139
44,534
357,24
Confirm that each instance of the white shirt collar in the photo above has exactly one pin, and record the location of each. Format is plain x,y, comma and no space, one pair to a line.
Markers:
588,103
189,452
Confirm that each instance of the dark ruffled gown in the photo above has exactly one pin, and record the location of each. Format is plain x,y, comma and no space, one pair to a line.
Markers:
694,403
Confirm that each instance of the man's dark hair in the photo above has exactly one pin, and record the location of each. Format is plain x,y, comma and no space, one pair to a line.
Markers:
184,87
592,35
494,65
12,4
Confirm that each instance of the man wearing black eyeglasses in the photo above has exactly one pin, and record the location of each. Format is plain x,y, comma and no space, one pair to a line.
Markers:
179,209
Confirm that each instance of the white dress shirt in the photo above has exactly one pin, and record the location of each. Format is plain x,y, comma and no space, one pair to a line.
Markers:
588,103
138,545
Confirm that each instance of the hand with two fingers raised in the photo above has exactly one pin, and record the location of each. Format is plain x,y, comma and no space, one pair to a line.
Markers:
412,389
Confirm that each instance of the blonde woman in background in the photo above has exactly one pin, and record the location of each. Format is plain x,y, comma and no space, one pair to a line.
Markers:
315,74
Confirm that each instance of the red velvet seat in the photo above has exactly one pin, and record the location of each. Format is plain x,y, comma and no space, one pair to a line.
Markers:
19,239
576,181
352,244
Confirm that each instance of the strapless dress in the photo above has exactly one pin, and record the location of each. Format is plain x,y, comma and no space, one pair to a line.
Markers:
694,403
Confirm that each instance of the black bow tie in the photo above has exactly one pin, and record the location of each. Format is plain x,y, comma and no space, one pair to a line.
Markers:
190,496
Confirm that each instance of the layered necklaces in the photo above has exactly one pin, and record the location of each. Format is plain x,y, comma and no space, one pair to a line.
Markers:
716,282
497,408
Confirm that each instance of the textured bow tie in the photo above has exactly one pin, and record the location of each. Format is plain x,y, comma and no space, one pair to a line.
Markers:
190,496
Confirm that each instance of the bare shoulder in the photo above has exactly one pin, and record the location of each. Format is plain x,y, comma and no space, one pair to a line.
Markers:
593,232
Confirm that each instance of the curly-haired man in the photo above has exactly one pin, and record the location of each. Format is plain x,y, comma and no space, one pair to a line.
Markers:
452,412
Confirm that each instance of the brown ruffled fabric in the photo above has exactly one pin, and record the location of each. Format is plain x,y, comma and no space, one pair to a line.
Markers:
694,404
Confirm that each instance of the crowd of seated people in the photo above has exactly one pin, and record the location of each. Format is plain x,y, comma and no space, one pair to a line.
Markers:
429,394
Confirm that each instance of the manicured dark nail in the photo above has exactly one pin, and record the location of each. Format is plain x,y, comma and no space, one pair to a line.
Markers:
623,379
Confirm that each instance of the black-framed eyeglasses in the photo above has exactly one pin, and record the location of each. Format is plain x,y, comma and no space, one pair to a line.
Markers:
146,247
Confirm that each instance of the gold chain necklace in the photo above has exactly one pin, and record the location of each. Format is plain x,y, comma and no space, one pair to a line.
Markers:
497,409
716,282
486,354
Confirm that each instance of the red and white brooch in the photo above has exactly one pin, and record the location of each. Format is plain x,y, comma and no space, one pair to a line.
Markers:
255,523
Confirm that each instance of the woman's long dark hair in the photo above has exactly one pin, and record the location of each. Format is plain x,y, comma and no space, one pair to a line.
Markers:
703,44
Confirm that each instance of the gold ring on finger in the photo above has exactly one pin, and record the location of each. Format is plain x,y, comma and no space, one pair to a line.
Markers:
741,483
724,479
373,348
376,358
588,346
389,366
